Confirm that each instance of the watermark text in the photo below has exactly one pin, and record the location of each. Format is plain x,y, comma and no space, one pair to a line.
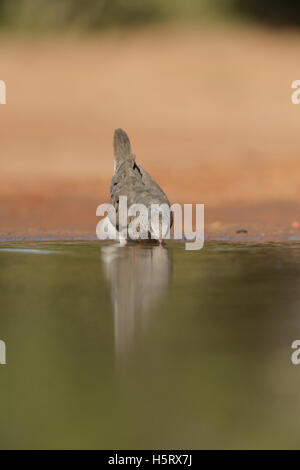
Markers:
140,222
2,352
2,92
295,97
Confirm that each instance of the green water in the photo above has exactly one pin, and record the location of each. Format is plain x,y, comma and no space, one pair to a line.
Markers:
156,348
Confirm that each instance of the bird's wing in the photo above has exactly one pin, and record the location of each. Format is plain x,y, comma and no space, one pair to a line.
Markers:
136,184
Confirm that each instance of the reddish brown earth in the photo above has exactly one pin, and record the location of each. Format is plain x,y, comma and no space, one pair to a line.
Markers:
209,114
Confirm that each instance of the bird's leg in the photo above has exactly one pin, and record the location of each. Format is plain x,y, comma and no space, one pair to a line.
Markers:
160,242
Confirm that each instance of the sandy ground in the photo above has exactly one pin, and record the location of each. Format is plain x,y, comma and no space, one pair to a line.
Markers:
208,111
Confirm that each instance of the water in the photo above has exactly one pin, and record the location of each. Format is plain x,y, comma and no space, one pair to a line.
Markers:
137,347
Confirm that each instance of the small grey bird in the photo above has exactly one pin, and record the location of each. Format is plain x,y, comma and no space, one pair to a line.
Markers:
132,181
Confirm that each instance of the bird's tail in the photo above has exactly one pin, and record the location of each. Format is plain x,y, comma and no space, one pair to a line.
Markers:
122,147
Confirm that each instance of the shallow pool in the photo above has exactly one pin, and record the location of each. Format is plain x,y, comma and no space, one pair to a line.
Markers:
149,347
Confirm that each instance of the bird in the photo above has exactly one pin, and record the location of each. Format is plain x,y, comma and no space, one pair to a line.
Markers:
132,181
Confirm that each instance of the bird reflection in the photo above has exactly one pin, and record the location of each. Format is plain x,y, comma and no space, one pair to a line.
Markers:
139,277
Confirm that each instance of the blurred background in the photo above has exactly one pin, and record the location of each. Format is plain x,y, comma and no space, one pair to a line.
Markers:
203,89
146,348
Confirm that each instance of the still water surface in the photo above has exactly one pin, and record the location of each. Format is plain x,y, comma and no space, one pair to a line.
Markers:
149,347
